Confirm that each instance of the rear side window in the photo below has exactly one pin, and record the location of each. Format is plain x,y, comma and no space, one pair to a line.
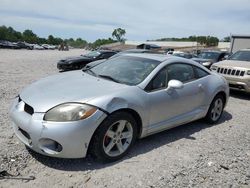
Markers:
199,73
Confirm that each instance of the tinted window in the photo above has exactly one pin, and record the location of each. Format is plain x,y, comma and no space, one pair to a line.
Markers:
209,55
126,69
181,72
158,82
92,54
104,56
184,55
200,73
241,56
109,54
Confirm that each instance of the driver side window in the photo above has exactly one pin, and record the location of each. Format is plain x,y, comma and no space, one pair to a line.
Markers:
181,72
159,81
177,71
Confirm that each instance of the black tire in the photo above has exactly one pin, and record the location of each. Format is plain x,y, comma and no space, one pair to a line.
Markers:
97,142
209,117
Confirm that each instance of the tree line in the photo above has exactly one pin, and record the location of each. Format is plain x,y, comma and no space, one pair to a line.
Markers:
10,34
203,40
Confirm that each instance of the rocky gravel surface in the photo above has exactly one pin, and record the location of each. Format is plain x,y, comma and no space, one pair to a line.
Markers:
192,155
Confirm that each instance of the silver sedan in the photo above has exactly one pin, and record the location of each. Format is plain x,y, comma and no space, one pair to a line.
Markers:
103,109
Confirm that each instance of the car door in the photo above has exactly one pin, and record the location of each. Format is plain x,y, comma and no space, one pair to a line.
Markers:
169,106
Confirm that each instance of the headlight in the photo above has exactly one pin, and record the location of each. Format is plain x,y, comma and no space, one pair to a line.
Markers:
206,63
69,112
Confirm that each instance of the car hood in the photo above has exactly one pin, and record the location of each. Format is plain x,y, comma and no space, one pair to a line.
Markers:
234,63
203,60
80,58
75,86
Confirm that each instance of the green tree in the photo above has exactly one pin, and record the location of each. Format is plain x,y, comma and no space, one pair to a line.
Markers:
51,39
9,34
78,43
118,34
203,40
3,32
226,39
42,40
29,36
100,42
212,41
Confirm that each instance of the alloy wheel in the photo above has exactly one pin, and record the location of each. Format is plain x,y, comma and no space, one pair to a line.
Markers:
118,138
217,109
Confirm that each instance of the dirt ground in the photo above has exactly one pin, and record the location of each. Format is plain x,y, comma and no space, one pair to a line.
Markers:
192,155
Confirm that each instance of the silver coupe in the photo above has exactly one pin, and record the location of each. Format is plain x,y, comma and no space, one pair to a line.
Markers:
104,108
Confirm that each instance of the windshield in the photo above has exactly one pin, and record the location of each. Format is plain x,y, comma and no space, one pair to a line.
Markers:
209,55
125,69
241,56
92,54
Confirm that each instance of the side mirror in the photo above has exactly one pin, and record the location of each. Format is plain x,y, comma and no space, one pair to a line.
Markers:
175,84
225,57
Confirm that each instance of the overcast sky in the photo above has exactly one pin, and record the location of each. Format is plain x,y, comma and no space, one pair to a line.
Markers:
142,19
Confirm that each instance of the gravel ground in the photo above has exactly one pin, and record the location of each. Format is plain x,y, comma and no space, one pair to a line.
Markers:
192,155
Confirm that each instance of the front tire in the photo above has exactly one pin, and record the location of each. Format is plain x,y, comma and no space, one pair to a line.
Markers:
114,137
215,110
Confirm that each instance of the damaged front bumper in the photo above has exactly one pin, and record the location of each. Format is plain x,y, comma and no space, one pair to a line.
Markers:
57,139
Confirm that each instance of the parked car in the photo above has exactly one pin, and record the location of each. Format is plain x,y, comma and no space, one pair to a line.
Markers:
183,55
8,45
236,70
169,51
48,47
25,45
74,63
207,58
104,109
136,51
37,47
139,51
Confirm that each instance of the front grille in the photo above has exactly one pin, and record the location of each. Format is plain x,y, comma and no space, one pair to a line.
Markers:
230,71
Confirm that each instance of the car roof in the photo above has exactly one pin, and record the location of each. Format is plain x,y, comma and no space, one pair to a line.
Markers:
163,58
157,57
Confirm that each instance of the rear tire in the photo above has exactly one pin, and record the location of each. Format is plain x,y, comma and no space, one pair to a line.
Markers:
215,110
114,137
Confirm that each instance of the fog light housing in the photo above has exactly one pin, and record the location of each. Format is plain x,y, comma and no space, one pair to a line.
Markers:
214,67
50,146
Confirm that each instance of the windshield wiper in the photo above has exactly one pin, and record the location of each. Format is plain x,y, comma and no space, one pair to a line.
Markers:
109,77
